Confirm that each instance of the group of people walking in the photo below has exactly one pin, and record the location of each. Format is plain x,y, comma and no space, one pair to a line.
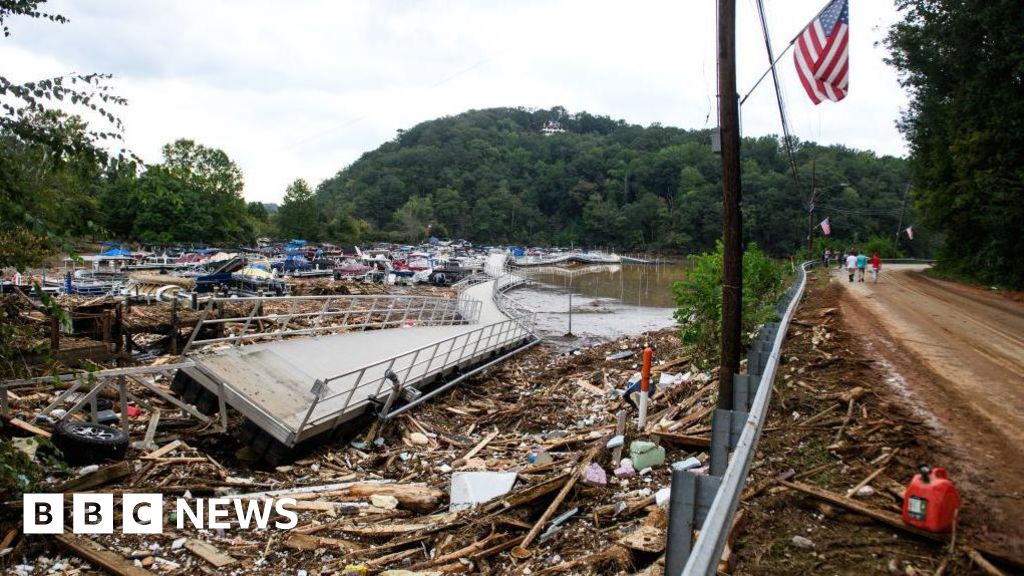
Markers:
856,263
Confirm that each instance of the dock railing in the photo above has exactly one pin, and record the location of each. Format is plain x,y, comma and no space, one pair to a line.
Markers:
425,362
241,321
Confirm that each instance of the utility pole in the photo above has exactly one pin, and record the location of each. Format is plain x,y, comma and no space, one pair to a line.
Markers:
899,225
732,219
810,209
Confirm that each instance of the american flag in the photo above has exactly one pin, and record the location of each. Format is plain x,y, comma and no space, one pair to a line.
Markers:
910,232
826,227
822,53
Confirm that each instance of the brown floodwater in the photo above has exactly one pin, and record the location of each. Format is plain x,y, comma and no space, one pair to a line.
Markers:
608,301
648,285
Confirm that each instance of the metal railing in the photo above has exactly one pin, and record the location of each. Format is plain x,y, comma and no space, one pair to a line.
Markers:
244,320
360,385
709,503
370,382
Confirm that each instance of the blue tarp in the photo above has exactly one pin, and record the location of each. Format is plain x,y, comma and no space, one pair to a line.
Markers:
117,252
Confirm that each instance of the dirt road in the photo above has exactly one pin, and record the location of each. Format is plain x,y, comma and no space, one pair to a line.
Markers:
955,353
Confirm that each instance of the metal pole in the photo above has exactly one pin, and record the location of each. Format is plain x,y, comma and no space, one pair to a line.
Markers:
899,225
732,219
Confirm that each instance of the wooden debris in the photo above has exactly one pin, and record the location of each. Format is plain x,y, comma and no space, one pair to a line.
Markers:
100,556
98,478
209,552
645,539
982,563
165,450
299,541
22,425
416,497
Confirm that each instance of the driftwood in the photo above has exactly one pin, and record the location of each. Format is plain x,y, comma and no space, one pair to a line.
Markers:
415,497
209,552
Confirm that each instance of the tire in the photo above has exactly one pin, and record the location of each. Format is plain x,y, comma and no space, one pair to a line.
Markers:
85,443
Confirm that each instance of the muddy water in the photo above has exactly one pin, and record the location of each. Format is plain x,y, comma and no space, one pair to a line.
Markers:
607,301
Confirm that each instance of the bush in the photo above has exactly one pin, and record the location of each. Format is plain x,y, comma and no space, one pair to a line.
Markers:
699,298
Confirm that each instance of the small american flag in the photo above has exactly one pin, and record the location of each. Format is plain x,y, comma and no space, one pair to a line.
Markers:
822,53
826,227
910,232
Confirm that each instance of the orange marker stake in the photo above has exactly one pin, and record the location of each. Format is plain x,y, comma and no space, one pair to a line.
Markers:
645,386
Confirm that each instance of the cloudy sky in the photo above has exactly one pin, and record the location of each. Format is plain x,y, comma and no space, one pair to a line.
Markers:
301,89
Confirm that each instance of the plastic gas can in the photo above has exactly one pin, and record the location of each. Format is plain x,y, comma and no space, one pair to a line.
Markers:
931,501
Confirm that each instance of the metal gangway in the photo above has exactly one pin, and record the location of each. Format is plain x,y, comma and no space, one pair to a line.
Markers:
299,367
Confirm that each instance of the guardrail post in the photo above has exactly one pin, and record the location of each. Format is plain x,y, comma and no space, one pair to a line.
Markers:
690,499
744,390
726,427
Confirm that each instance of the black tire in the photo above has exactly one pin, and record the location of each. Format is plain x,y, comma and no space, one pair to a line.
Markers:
85,443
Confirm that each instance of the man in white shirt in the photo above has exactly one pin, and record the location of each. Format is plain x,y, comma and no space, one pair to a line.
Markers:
851,264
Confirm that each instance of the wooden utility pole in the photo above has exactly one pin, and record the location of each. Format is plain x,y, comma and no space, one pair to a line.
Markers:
732,220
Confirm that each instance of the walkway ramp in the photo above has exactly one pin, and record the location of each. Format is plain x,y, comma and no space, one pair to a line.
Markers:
297,388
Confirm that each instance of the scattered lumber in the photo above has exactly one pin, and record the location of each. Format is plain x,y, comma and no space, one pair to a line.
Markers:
416,497
100,477
100,556
22,425
209,552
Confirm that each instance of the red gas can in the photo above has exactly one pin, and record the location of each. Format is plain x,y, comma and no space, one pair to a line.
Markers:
931,501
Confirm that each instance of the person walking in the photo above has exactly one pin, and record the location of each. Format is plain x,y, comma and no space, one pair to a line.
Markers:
851,264
826,257
876,266
862,264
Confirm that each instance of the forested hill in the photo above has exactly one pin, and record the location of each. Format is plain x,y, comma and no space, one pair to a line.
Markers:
494,176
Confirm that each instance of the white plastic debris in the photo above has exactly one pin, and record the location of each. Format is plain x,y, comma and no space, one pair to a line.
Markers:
471,488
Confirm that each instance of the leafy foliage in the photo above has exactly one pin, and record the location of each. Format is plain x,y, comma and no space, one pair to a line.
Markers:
492,176
699,298
963,64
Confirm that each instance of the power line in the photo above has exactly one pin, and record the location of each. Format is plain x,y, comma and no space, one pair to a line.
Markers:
787,139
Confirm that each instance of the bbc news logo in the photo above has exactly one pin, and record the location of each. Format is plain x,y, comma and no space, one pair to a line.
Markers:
94,513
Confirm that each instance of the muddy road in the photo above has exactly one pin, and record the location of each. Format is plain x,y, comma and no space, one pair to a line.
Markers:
955,353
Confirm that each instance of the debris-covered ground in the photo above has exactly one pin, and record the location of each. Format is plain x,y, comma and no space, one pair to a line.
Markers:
542,420
837,430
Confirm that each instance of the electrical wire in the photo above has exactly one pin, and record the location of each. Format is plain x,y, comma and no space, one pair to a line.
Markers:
786,137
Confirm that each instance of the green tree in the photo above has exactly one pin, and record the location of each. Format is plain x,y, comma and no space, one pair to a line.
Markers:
217,184
415,218
962,63
53,142
298,215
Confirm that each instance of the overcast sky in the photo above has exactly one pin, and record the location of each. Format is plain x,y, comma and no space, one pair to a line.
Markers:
301,89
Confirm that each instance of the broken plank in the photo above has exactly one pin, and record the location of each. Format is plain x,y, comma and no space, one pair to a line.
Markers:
165,450
98,478
476,449
298,541
645,539
416,497
209,552
687,440
22,425
380,531
100,556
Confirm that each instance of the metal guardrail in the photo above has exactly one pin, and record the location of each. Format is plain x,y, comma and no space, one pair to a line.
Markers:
709,503
320,315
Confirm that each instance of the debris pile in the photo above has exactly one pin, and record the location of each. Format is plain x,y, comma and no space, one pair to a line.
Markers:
535,466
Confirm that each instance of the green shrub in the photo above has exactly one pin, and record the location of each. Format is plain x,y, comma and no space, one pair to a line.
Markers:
699,298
